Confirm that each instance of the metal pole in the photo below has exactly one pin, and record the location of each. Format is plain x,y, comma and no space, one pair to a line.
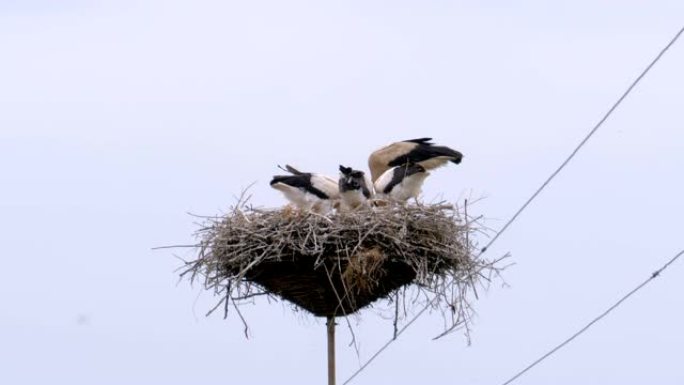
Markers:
331,350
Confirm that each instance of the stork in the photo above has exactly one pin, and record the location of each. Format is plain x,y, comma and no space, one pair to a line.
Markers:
354,189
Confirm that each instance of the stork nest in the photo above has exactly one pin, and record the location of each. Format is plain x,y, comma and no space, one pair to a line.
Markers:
338,264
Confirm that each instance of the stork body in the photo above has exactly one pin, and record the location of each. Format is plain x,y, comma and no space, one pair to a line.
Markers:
307,191
401,183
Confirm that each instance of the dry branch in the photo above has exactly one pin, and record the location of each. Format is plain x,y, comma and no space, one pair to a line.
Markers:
336,265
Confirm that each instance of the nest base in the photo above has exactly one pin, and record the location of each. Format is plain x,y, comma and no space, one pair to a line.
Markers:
328,290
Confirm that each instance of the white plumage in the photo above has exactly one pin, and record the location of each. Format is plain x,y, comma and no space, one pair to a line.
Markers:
308,191
401,183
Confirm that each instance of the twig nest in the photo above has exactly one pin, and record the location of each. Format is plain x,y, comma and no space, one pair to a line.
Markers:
335,265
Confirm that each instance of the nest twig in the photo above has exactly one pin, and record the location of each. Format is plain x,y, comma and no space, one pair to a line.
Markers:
336,265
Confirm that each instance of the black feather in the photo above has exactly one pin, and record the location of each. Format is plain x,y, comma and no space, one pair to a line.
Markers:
293,170
301,181
400,173
345,170
366,192
419,141
424,152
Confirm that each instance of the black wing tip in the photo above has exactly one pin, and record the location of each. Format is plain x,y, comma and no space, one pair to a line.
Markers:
277,179
457,157
419,141
291,170
289,180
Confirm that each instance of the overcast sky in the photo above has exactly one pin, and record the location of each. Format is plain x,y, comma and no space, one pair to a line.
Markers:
118,117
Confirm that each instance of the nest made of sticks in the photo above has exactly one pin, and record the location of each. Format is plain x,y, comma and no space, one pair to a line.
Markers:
338,264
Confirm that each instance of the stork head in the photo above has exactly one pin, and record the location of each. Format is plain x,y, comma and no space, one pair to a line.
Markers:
351,179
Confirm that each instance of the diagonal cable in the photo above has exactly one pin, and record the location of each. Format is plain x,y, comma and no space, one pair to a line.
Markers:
536,193
653,276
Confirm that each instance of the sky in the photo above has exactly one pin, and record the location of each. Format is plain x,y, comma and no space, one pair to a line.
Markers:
117,118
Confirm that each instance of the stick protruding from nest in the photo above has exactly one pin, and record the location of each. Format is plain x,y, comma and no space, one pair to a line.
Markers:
336,265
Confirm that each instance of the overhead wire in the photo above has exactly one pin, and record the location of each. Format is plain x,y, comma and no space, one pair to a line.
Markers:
586,327
536,193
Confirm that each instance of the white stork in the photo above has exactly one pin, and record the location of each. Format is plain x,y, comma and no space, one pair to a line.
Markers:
307,191
354,189
401,183
420,151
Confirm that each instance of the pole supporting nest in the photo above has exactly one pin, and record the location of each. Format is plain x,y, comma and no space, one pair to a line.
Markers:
331,350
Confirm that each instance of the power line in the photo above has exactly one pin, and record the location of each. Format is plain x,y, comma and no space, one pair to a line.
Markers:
585,140
534,195
653,276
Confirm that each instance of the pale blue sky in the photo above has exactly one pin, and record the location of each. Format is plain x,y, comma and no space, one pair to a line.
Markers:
117,118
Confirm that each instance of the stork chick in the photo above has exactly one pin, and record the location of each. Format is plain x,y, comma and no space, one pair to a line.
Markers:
354,190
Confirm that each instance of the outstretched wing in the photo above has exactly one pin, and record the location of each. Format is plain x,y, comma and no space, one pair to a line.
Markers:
379,161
